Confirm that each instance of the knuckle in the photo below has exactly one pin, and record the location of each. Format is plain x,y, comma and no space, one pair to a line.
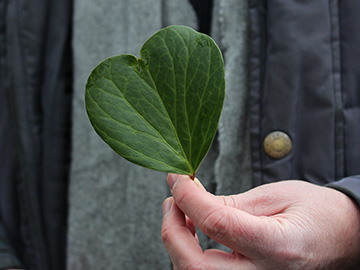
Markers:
216,224
166,234
227,200
180,196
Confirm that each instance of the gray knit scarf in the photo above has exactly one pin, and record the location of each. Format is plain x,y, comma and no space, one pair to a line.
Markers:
115,206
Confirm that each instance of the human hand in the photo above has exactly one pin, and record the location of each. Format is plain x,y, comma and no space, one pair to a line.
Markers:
285,225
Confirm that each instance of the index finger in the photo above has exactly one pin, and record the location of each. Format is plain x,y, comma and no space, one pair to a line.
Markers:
236,229
178,239
184,249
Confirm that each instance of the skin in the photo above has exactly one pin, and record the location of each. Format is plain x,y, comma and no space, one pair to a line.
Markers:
285,225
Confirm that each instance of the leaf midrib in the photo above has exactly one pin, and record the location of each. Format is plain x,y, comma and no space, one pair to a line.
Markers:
185,93
168,115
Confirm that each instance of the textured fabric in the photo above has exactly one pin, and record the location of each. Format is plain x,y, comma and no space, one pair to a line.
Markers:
233,173
348,185
291,89
349,23
8,199
8,256
348,130
34,131
203,10
297,88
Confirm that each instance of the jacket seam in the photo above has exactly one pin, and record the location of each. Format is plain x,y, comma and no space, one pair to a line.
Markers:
257,58
337,87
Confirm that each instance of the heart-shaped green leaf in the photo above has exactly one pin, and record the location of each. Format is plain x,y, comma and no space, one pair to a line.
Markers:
160,111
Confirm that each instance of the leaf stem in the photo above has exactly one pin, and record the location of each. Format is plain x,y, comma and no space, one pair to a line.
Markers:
192,177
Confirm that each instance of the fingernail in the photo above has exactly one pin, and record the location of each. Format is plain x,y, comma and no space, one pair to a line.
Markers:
167,206
198,183
172,178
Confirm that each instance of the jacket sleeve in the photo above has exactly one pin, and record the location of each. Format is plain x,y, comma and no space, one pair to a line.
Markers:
350,186
8,259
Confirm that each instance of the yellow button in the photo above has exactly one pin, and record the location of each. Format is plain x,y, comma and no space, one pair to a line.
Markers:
277,144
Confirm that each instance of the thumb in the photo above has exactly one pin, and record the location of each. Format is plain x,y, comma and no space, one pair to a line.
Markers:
234,228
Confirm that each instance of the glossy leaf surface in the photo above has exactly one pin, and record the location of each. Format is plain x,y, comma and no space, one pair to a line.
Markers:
160,111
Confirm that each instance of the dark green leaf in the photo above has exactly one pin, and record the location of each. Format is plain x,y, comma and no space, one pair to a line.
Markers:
160,111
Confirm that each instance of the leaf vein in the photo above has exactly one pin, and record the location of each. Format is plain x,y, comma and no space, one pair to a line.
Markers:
98,105
140,153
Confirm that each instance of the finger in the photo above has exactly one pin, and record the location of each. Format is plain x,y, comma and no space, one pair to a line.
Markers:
191,226
236,229
178,239
186,254
184,249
